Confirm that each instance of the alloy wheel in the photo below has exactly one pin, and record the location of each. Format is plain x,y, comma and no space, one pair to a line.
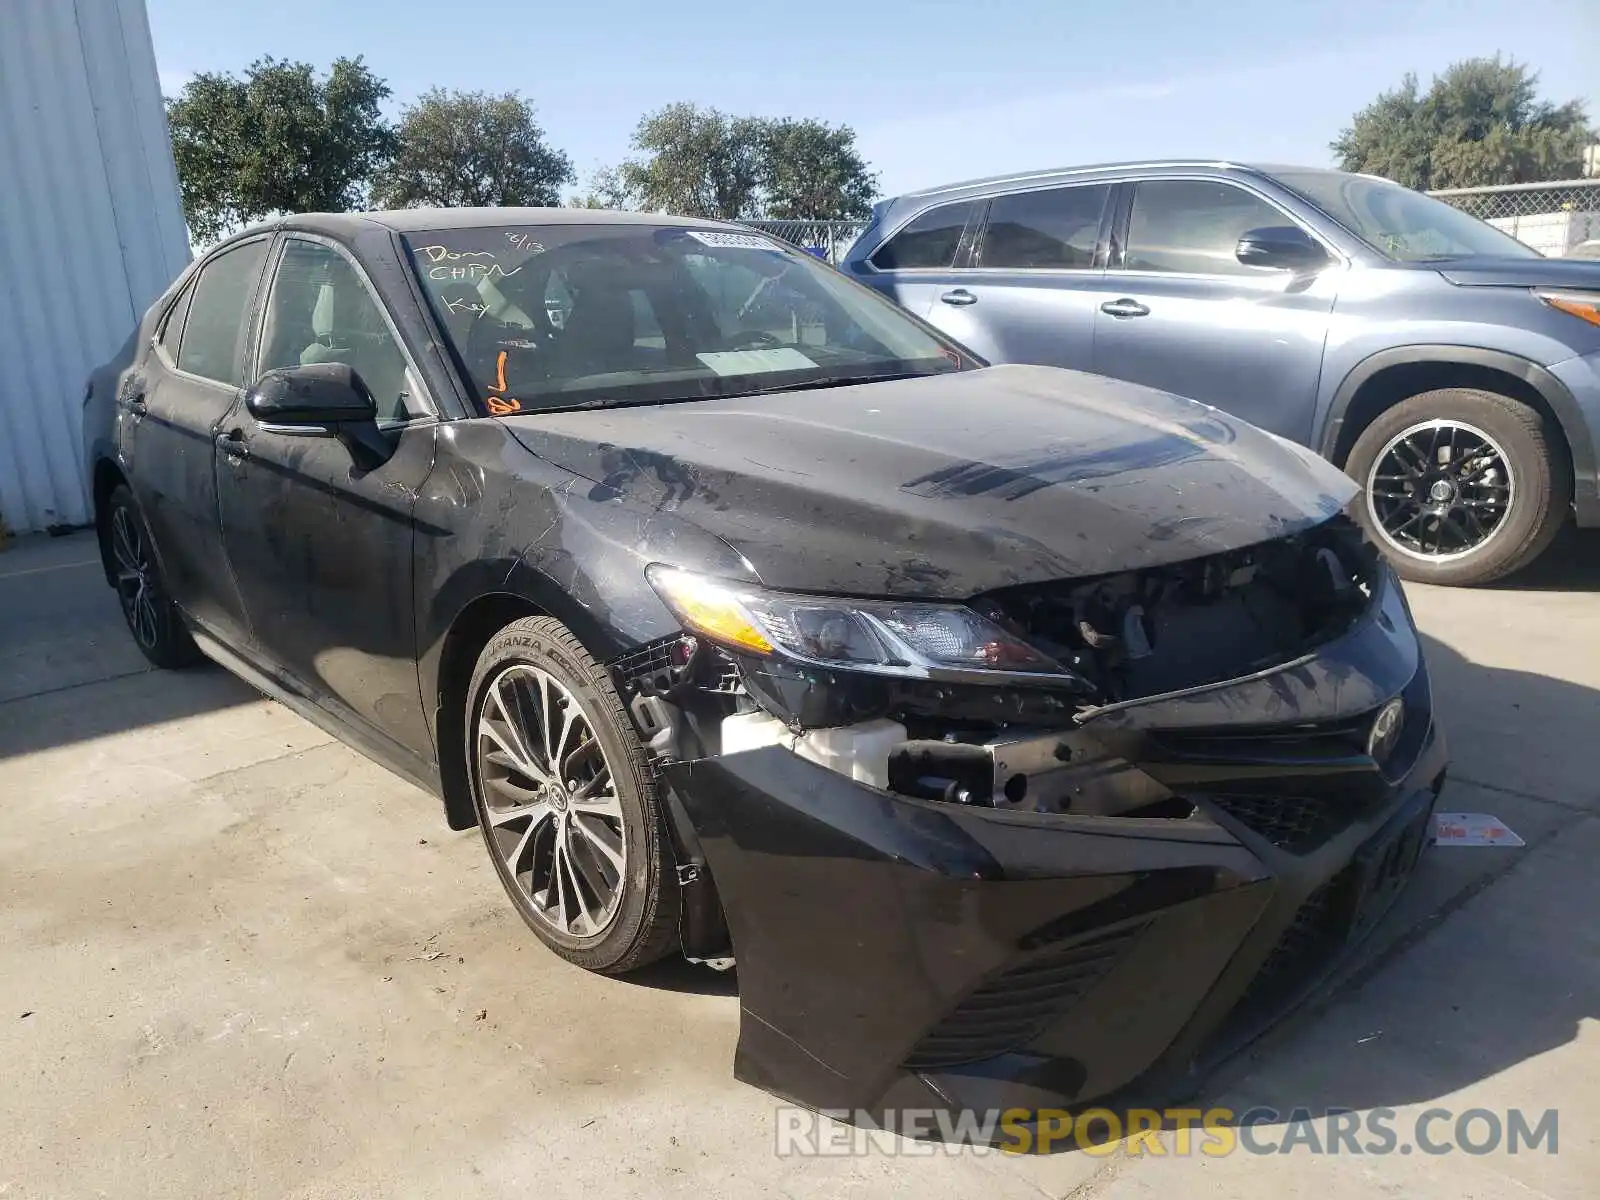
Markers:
136,588
550,802
1440,490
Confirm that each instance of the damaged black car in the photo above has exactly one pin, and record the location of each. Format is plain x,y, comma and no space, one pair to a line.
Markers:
1025,738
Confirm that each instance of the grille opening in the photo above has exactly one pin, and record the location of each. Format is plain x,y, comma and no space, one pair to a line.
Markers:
1013,1008
1298,824
1182,625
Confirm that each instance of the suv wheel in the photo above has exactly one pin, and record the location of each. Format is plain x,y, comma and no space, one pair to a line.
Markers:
568,801
1462,486
152,618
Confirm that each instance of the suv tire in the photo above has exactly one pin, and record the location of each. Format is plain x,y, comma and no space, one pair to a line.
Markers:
1461,486
583,852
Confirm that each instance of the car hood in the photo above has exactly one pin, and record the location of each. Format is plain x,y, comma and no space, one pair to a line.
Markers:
950,485
1487,271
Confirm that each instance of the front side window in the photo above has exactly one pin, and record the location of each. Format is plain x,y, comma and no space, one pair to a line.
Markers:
320,311
1053,228
1398,223
1193,226
221,304
929,241
563,316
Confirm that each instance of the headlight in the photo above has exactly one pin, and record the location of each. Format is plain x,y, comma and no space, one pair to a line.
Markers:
884,637
1583,305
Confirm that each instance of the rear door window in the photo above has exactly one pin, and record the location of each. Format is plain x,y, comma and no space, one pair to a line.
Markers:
172,324
929,241
221,305
1053,228
1192,226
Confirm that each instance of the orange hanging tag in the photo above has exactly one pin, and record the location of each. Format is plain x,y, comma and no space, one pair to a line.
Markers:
501,405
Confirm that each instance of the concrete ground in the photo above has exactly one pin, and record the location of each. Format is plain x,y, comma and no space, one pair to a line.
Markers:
236,959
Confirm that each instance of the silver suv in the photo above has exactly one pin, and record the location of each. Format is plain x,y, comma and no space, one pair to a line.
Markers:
1450,369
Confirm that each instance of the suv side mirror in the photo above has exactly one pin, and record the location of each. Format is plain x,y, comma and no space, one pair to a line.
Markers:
1285,247
322,398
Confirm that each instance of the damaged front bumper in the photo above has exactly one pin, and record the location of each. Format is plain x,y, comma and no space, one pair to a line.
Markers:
901,953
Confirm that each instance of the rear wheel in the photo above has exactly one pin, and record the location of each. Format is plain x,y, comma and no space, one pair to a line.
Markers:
152,618
1462,486
568,802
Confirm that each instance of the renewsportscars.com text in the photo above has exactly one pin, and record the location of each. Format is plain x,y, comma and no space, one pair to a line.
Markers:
1178,1132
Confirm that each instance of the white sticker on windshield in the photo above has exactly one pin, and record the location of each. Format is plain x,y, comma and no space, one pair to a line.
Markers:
756,362
739,241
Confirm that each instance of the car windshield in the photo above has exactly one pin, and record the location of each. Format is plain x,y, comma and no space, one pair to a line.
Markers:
1399,223
573,315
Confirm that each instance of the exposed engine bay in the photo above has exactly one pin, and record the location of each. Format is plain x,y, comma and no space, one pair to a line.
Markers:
1125,638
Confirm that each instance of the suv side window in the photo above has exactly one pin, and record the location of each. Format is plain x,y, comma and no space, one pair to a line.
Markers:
1056,227
218,310
1192,226
321,311
931,240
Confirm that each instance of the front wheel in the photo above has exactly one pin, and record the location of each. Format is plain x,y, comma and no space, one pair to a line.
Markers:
568,803
1462,486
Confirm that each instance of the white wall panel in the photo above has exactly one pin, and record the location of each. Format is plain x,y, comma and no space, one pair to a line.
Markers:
91,230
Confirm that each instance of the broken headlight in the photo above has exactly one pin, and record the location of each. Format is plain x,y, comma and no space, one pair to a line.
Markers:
905,638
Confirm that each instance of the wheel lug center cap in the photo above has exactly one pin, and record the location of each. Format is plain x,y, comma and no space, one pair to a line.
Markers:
1442,491
558,799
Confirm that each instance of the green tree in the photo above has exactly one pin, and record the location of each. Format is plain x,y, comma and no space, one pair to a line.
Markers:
280,139
699,163
1479,123
813,171
456,149
606,190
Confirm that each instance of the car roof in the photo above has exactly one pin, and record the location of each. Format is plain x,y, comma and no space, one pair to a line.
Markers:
413,220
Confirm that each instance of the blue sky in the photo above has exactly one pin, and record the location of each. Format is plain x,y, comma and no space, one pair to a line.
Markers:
936,91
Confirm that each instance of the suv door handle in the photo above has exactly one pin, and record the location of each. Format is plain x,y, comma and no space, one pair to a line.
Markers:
958,297
1124,307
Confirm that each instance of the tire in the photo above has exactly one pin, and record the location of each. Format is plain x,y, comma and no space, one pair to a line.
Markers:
629,916
1501,473
153,620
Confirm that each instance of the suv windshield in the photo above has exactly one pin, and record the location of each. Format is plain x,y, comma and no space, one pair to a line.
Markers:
572,315
1399,223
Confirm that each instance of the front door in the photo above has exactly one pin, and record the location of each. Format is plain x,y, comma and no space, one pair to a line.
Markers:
1177,311
321,549
185,388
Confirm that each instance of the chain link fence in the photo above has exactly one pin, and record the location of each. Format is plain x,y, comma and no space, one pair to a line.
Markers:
1553,218
828,240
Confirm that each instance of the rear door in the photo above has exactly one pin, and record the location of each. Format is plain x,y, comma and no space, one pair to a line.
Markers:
1029,296
1181,313
189,383
925,257
321,549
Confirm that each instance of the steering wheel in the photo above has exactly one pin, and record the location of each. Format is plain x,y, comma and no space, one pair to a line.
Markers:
753,339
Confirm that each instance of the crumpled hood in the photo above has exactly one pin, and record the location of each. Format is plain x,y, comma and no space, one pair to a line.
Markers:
1487,271
950,485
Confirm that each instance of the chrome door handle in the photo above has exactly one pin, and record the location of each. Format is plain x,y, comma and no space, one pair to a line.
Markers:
1124,308
959,297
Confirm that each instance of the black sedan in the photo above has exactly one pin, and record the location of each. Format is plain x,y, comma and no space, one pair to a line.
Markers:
1025,736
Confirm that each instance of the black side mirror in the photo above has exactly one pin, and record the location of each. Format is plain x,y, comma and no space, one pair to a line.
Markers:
322,398
318,394
1284,247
